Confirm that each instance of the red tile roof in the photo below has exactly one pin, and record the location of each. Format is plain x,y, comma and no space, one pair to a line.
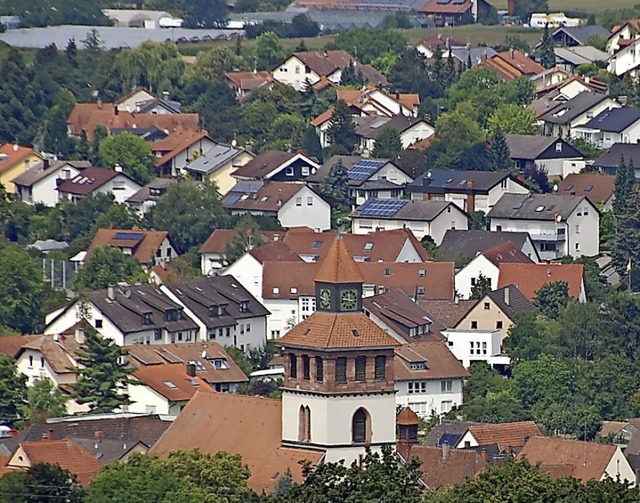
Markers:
220,238
506,435
407,417
248,81
11,154
170,381
180,141
435,7
245,425
65,453
88,180
595,187
11,345
529,278
440,362
337,331
338,265
506,252
144,244
560,457
274,252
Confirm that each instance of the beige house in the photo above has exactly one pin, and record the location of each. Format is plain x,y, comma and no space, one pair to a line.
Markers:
496,311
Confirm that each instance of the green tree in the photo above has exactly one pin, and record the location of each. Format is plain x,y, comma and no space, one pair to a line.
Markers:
202,13
500,153
131,153
21,290
68,221
481,288
13,390
41,482
388,145
512,119
335,187
190,212
103,375
367,44
268,51
45,400
211,65
408,73
310,143
352,76
552,298
341,132
247,237
106,267
626,253
547,54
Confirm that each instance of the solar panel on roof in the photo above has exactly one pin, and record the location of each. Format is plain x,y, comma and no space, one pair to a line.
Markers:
458,2
128,235
443,2
450,438
364,169
382,207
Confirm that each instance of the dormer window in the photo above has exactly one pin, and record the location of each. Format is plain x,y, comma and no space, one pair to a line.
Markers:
213,311
418,366
146,319
170,315
244,306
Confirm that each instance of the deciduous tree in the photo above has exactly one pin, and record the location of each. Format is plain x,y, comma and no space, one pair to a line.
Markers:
388,145
106,267
481,288
131,153
512,119
552,298
45,400
13,390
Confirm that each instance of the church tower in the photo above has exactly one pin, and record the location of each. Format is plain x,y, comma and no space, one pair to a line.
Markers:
338,392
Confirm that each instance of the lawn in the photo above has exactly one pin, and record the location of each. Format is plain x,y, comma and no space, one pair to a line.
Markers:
578,5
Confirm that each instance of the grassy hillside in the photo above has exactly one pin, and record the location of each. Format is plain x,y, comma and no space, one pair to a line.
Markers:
578,5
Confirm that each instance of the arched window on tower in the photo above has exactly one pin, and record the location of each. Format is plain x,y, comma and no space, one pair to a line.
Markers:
304,424
361,427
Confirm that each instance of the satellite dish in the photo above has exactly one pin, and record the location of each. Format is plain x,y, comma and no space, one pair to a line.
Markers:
234,142
313,171
555,187
559,218
429,174
204,354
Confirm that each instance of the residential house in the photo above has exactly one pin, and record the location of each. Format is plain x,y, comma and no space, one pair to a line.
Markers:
625,61
213,364
469,190
470,346
619,432
428,378
214,250
424,218
368,178
140,100
234,416
178,150
15,160
455,12
569,58
292,204
549,78
277,166
617,125
218,165
64,453
529,278
87,116
496,310
559,224
223,309
487,264
447,431
244,83
599,189
38,184
428,46
398,245
462,55
508,436
572,36
147,247
584,461
308,67
609,160
397,314
564,90
462,246
147,197
623,35
557,157
163,389
372,101
140,314
512,64
93,180
369,128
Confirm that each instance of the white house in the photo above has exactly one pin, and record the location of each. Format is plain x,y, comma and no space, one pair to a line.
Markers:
626,60
428,378
553,155
95,180
559,225
507,436
625,33
469,190
38,185
175,152
487,264
147,247
617,125
470,346
147,197
294,204
424,218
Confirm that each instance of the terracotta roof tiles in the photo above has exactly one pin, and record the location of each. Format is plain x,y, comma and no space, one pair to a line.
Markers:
506,252
407,417
274,252
170,381
529,278
440,363
506,435
144,244
11,345
595,187
220,238
11,154
338,265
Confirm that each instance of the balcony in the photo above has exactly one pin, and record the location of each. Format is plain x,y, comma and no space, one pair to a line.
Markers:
548,236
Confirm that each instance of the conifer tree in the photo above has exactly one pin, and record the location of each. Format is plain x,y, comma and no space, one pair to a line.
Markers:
341,132
500,154
627,220
103,376
547,54
311,143
388,144
335,187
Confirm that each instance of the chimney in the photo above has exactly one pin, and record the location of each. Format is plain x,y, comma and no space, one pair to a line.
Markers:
471,184
117,168
445,449
165,95
506,296
511,7
397,96
111,295
80,339
46,164
115,110
191,369
99,104
56,337
511,52
98,434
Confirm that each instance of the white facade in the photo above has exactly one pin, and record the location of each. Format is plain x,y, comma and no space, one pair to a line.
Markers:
146,400
466,278
44,190
331,419
625,60
578,236
122,188
295,73
416,133
181,160
619,467
306,209
568,129
476,346
448,219
428,397
604,139
559,168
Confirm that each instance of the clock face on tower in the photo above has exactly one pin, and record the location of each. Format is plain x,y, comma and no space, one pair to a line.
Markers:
348,300
325,298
